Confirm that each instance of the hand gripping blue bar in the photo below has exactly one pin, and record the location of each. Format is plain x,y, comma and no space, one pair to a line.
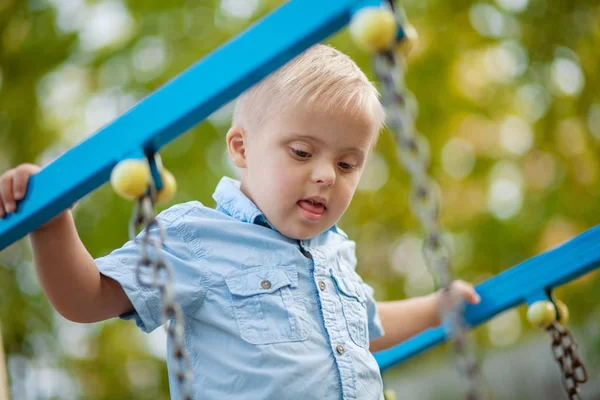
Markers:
527,282
177,106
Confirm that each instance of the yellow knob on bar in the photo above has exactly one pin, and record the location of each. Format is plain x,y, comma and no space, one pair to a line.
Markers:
130,178
541,314
374,29
169,186
408,41
389,394
563,312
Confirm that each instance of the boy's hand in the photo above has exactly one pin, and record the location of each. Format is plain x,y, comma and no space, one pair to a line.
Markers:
13,186
462,290
459,291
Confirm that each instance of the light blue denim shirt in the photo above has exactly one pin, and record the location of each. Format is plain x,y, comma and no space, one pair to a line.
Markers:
266,317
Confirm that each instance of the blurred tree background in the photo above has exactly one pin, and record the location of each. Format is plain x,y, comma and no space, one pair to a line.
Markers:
508,95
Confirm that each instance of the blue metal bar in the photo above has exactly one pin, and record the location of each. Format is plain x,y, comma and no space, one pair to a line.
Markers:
180,104
527,282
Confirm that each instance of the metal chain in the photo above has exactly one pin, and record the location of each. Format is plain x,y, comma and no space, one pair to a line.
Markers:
564,348
152,262
413,153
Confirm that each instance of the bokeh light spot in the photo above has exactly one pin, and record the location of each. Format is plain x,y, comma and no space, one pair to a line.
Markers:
505,329
516,135
458,158
567,77
149,58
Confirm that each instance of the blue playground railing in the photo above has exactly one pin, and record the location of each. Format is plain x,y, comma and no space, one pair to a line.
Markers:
219,78
527,282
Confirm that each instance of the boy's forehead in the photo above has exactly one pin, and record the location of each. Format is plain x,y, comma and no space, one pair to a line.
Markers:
318,116
317,124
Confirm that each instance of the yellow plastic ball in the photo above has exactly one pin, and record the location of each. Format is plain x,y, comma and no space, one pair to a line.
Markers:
169,188
541,314
563,312
374,29
130,178
389,394
409,41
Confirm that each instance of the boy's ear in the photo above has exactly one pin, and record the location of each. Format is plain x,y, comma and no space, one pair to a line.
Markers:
236,146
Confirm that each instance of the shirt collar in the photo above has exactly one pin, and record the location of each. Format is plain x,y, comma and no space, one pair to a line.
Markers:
233,202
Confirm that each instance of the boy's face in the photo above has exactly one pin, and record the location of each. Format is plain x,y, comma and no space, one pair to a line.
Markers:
302,167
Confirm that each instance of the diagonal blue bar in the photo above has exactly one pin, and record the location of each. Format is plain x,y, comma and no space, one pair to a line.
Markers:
180,104
528,281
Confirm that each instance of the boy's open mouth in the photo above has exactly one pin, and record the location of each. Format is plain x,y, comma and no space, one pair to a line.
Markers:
312,208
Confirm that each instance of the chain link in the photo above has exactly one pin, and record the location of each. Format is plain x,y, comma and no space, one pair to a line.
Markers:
564,349
413,153
151,263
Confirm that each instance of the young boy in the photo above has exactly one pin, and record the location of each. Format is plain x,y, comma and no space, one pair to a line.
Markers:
273,306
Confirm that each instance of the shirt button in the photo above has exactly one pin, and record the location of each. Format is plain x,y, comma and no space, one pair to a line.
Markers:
265,284
322,285
340,349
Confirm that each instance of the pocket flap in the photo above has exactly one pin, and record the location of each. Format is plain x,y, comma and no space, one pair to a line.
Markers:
261,280
350,287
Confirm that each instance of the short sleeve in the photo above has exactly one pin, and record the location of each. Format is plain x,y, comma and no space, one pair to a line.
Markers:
375,327
188,276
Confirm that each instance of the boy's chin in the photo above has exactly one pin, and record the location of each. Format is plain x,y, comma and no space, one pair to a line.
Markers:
301,233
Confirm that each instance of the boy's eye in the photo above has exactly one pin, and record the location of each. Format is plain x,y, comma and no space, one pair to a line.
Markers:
346,166
301,154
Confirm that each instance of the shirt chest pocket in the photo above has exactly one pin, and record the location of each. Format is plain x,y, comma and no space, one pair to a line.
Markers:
353,299
266,305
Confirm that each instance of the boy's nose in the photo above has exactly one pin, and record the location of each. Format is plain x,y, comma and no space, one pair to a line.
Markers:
324,175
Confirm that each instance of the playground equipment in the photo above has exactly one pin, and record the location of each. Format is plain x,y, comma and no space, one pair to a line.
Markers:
216,80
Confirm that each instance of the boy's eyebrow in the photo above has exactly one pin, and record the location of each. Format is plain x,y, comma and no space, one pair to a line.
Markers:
321,142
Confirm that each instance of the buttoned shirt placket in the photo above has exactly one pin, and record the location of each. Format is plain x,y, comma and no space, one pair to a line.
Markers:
335,325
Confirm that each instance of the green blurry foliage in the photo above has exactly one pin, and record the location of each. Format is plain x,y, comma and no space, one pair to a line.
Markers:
478,65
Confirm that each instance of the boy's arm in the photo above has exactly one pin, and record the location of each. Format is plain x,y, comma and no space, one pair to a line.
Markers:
67,272
403,319
69,276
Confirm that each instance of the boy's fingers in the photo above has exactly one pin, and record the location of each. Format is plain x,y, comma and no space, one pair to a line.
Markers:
471,295
21,178
13,185
460,287
467,291
6,192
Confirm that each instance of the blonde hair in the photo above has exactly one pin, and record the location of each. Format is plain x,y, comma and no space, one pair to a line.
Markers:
320,75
